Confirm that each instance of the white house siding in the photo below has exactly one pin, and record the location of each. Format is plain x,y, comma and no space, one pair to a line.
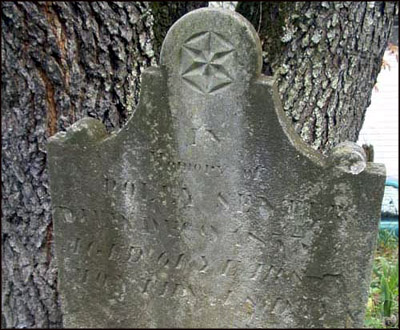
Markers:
381,125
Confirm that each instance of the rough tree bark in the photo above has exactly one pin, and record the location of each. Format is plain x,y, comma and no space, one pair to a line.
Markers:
326,57
63,61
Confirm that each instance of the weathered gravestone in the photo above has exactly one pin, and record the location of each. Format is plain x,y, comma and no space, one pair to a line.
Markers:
206,210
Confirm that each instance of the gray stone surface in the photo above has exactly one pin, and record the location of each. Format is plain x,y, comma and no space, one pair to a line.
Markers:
206,210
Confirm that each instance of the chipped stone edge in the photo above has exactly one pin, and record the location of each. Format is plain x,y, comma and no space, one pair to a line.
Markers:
85,131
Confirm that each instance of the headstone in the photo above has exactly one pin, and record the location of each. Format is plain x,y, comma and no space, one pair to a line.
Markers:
206,209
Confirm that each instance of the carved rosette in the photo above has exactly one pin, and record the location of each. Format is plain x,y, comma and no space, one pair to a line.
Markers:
206,62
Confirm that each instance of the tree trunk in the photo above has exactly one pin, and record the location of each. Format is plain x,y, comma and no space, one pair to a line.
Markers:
326,57
61,61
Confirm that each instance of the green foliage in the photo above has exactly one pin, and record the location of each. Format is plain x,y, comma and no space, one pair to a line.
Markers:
387,240
383,301
388,285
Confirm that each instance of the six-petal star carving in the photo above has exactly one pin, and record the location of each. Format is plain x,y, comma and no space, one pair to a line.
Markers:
204,62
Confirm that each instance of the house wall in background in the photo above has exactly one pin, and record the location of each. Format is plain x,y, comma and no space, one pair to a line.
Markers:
381,125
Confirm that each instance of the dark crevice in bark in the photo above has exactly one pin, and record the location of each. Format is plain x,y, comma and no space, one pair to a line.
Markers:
166,14
51,104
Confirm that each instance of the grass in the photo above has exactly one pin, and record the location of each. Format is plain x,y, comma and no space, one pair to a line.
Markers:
383,301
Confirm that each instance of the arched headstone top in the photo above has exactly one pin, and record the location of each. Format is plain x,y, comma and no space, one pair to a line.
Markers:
210,49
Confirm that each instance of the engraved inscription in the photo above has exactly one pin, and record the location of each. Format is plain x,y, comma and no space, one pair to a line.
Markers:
250,306
112,185
90,248
205,133
267,272
97,277
187,197
150,225
245,202
101,278
213,136
135,253
265,209
76,246
179,262
230,268
163,260
146,285
209,232
165,289
65,214
229,294
256,238
257,271
205,264
297,215
160,160
222,201
205,59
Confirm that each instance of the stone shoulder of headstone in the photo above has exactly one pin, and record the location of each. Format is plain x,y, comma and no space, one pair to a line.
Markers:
207,209
84,131
90,130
